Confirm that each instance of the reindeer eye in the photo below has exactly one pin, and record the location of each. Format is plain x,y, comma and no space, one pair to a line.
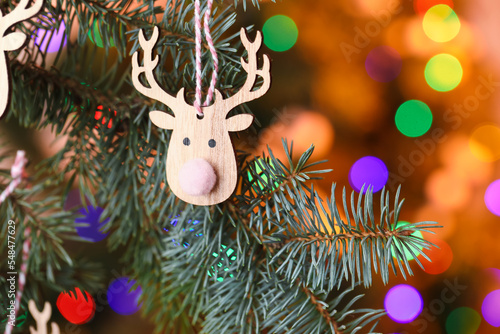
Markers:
211,143
186,141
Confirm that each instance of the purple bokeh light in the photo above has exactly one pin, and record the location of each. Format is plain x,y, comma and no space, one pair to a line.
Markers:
403,303
492,198
92,217
368,171
383,64
51,41
491,308
89,215
120,299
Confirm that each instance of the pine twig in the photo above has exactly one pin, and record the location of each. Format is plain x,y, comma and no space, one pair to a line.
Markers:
323,311
356,234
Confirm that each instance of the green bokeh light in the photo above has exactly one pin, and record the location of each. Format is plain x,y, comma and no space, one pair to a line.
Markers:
231,256
443,72
463,320
413,118
96,38
280,33
264,181
408,255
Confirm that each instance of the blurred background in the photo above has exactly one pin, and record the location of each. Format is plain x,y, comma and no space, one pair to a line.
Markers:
404,92
390,92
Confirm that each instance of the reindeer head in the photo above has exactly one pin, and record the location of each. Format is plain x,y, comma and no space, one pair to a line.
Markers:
201,163
10,41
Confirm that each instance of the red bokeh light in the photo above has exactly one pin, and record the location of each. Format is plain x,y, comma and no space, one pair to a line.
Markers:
98,115
442,258
422,6
76,310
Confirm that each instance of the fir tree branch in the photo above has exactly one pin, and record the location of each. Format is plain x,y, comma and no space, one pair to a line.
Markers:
321,309
353,235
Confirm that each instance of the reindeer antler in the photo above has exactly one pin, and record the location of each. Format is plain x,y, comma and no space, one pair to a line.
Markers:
246,93
18,14
154,91
12,41
42,319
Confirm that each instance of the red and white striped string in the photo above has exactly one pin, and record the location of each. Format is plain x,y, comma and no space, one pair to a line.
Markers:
16,172
208,37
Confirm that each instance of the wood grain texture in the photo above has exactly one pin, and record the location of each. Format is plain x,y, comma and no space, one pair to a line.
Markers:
10,41
42,319
214,126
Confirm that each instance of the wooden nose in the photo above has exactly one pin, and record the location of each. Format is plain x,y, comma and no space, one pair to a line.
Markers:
197,177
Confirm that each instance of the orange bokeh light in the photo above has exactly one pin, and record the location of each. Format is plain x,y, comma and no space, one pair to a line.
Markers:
441,257
367,7
485,142
443,218
304,128
446,189
457,156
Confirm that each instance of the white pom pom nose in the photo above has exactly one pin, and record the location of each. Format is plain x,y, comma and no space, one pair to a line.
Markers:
197,177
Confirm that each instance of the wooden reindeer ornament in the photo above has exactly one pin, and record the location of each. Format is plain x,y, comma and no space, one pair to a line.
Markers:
10,41
201,162
42,319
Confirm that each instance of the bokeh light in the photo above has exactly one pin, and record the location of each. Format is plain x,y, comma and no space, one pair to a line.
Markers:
174,222
217,270
220,268
280,33
484,143
441,257
265,182
446,190
120,299
491,308
305,127
51,40
91,231
422,6
368,7
443,72
405,250
413,118
98,116
463,320
492,197
77,309
95,36
441,23
430,212
403,303
456,155
368,172
383,64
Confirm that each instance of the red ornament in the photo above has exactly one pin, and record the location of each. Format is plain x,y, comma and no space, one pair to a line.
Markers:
98,115
77,310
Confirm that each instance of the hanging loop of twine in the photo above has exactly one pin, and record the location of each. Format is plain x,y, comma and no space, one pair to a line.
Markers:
197,18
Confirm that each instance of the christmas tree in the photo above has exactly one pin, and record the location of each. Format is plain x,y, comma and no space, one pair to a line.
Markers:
273,257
